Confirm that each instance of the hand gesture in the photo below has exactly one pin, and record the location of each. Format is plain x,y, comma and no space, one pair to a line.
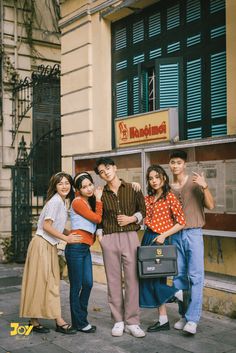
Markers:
73,238
136,186
124,220
98,193
199,179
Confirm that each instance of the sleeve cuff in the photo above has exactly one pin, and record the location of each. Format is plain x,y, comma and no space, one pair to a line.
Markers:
139,217
99,231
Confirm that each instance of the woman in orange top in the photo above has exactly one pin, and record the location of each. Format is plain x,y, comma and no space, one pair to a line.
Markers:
85,213
164,217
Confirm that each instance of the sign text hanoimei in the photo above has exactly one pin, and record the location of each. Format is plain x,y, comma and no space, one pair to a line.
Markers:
147,128
148,131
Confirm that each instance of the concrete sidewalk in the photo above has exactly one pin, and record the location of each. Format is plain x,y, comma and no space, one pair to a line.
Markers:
216,334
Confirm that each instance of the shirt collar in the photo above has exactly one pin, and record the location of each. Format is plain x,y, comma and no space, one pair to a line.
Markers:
123,184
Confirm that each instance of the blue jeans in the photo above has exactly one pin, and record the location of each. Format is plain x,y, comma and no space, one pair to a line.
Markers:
190,249
80,274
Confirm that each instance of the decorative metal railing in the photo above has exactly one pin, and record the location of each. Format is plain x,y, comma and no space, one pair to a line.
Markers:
22,100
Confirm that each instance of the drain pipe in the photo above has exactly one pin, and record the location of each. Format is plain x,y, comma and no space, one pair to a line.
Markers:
1,68
15,34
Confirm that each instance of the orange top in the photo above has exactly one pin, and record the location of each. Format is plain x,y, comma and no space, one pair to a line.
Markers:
163,214
81,207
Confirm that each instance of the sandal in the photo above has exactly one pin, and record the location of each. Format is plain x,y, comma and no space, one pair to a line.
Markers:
66,329
40,329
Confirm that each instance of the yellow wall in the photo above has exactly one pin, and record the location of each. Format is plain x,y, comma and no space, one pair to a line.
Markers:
86,81
220,302
213,263
231,65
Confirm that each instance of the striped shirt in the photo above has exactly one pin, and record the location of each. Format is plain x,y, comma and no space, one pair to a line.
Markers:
127,202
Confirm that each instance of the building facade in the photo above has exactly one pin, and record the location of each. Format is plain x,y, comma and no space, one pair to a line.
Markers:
140,78
30,49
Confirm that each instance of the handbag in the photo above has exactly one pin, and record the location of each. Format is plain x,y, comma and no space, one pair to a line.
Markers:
157,261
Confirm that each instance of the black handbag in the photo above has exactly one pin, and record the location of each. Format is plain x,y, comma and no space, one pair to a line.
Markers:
157,261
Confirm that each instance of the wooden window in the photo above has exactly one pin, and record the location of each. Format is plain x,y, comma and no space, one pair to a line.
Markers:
191,35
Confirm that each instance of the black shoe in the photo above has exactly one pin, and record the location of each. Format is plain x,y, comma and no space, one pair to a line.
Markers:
92,329
40,329
157,327
66,329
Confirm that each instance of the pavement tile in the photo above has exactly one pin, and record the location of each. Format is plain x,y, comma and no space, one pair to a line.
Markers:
11,343
43,347
227,337
195,343
156,347
3,351
216,334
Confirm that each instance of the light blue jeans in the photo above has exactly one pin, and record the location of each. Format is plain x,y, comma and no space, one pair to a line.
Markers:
190,248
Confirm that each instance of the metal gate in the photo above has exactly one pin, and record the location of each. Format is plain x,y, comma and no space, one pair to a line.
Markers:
35,164
28,192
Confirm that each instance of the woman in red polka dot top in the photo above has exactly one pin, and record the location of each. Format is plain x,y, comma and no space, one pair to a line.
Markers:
164,217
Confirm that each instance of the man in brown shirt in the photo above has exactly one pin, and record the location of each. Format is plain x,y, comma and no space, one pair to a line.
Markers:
194,195
123,210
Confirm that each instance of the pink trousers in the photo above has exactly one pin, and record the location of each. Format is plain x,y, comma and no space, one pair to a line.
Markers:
120,261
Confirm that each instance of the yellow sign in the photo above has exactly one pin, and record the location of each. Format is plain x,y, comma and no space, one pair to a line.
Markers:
147,128
18,329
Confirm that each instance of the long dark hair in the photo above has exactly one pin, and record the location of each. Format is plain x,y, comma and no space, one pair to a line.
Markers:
78,179
55,179
164,177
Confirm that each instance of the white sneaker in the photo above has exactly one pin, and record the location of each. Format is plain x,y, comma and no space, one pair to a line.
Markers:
190,327
179,325
118,329
135,330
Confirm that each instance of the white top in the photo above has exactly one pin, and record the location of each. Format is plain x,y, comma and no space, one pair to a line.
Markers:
55,209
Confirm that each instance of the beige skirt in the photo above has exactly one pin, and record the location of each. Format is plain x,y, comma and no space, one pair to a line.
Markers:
40,293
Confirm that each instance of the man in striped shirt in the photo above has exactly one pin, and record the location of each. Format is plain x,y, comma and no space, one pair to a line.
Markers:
123,210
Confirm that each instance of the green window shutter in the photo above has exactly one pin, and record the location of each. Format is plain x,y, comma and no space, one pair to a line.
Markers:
135,95
138,32
121,65
138,59
120,39
173,17
154,25
122,99
193,11
194,91
196,39
195,133
169,85
144,91
173,47
155,53
218,32
218,85
219,130
217,5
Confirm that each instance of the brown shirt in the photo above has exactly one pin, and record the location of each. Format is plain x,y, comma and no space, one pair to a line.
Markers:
191,198
126,202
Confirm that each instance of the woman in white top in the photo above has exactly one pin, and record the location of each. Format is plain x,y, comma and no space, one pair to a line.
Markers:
40,295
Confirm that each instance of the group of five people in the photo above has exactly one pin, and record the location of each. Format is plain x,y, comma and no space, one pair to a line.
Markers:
114,213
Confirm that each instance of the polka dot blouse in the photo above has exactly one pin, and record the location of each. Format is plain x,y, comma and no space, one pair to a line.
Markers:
163,214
